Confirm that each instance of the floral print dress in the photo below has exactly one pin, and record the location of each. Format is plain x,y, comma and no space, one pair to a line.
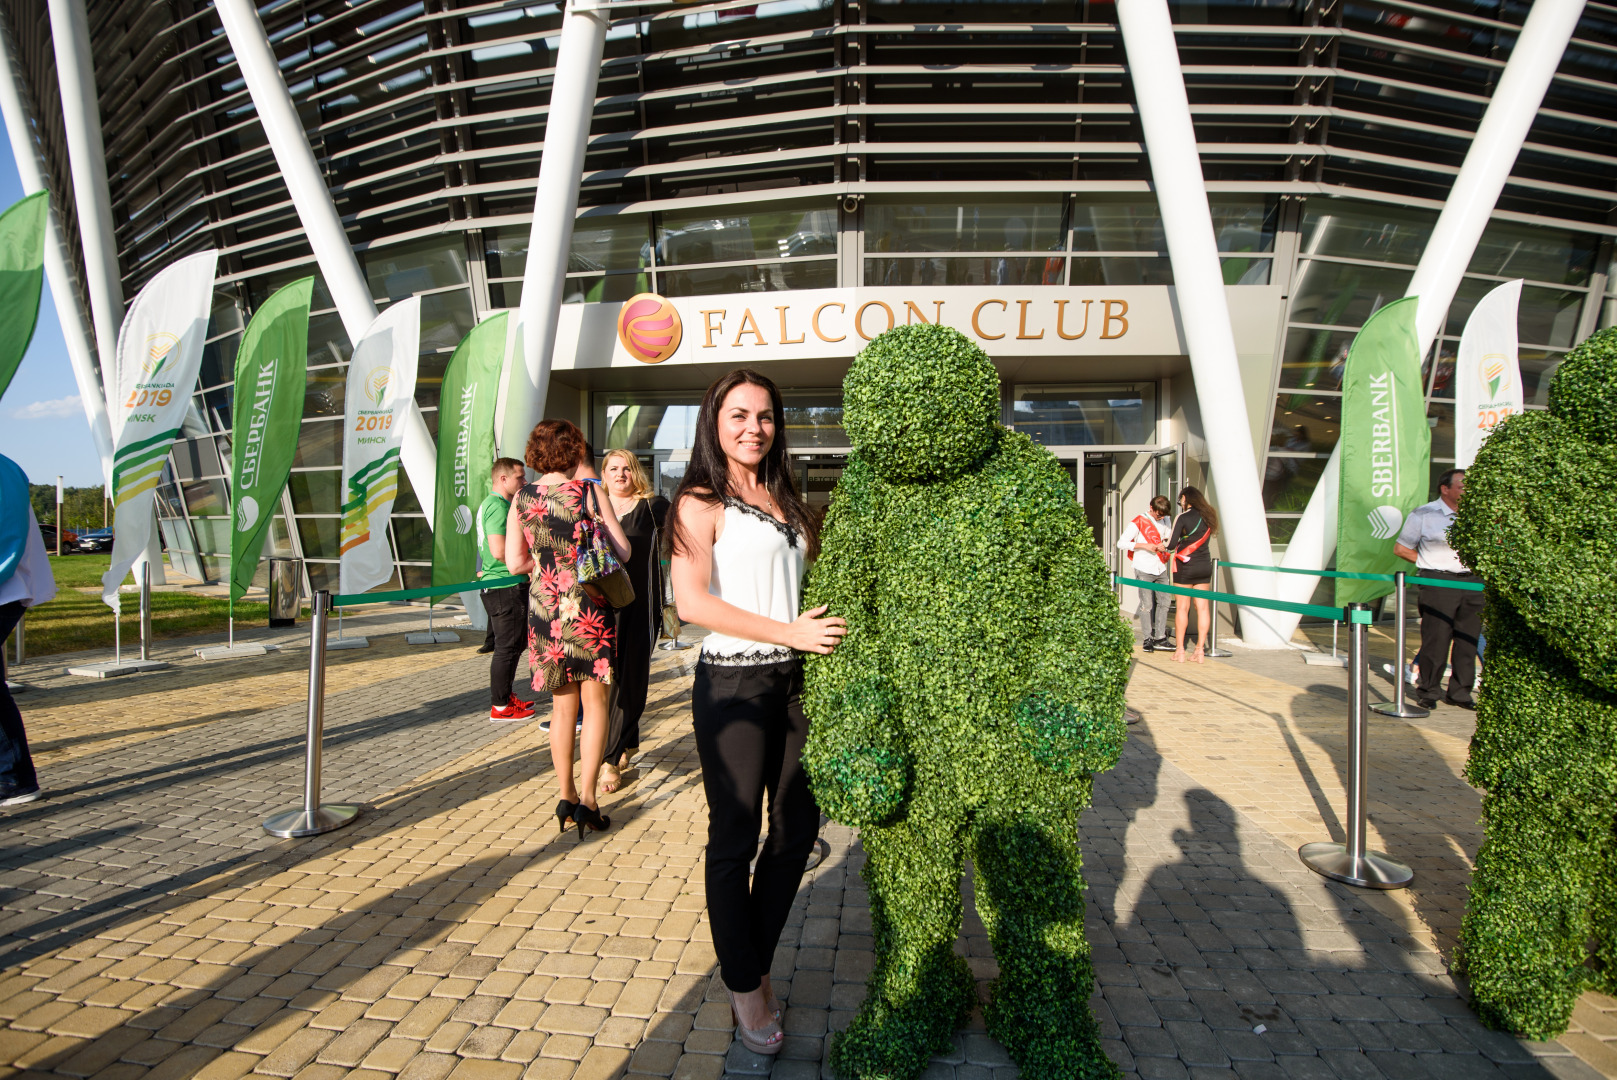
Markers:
570,633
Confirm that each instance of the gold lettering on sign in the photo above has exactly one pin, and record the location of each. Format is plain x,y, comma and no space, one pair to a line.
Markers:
1021,324
859,317
746,321
784,339
912,314
814,321
1061,318
708,329
977,327
1108,318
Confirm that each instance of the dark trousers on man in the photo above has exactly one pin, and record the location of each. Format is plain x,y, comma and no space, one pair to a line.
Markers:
16,764
1450,623
508,621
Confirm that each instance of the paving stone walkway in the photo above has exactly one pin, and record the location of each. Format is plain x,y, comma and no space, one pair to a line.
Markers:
150,930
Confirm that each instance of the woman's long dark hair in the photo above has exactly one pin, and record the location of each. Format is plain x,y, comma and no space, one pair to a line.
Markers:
707,477
1198,502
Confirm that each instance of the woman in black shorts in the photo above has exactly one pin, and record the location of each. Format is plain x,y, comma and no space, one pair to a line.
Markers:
1192,566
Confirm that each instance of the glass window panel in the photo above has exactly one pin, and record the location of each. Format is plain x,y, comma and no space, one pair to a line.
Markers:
817,274
647,420
1108,225
446,317
607,244
406,502
1537,367
322,575
204,497
323,392
328,340
402,270
1030,224
1441,419
1282,529
316,492
1086,415
814,419
1341,294
1287,484
1319,415
213,534
1314,359
1381,232
1246,271
196,457
996,270
743,234
1550,317
1117,271
1535,252
412,538
583,289
319,443
319,538
1244,223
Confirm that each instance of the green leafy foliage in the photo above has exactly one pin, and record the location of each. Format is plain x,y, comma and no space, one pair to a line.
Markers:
980,684
1536,524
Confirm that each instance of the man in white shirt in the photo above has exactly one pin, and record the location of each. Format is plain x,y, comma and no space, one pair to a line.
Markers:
1145,542
25,580
1450,619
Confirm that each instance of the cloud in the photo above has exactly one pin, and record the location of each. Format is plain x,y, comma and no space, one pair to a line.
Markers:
60,408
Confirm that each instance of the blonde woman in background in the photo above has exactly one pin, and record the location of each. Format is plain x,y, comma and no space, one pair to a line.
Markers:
642,513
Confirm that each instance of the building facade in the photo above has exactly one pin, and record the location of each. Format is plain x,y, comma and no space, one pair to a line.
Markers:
795,176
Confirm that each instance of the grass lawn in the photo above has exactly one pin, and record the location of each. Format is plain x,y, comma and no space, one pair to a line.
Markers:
75,620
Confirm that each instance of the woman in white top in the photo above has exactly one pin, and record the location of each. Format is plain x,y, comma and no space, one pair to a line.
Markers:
740,535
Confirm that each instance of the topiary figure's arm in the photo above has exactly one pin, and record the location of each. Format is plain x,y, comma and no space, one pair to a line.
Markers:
1536,524
1078,648
857,758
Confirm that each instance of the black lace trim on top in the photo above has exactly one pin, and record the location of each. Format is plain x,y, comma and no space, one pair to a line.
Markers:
780,526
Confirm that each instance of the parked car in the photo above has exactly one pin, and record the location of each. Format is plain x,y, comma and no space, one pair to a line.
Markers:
96,540
69,539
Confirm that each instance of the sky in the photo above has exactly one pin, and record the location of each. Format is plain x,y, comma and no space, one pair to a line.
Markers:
42,424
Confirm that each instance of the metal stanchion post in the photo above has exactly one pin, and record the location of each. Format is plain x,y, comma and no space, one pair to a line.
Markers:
1212,649
145,610
1352,862
314,818
1397,706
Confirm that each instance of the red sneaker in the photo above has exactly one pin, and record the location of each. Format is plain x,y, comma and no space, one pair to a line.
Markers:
525,706
516,710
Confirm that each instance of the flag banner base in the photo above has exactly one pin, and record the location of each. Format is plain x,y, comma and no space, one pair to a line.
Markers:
1372,870
1324,660
348,643
234,652
298,823
112,669
431,637
17,687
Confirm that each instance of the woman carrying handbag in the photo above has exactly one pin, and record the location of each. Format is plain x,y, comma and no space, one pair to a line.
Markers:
571,632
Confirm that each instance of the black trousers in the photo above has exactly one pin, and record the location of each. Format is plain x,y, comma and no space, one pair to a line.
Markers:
508,621
1450,623
16,764
750,731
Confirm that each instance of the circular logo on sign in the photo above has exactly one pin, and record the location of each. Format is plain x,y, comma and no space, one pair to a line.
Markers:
649,328
1495,374
1385,521
463,519
246,513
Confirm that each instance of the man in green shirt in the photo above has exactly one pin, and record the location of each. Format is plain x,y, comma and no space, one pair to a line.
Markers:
507,607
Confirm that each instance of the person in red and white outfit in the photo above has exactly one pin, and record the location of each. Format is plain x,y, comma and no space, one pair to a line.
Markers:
1145,544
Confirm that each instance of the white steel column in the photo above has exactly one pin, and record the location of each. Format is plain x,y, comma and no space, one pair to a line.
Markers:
81,116
1187,221
1476,190
20,125
318,214
555,204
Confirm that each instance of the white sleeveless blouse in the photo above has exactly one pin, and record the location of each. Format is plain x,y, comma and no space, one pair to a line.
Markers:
757,566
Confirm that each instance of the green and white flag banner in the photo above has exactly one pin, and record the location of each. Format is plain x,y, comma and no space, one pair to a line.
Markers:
466,448
22,274
271,368
1487,374
1386,448
381,386
154,373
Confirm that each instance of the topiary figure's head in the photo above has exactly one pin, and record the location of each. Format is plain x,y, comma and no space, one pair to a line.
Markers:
921,403
1583,392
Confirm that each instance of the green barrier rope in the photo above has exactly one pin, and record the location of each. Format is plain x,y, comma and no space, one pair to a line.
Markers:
1319,611
346,599
1409,579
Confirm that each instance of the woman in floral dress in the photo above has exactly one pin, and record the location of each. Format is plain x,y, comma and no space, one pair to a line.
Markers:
571,636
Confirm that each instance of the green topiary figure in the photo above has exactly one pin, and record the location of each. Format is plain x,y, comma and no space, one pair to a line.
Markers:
1538,522
980,684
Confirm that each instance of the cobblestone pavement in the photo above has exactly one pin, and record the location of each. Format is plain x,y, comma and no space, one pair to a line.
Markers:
150,930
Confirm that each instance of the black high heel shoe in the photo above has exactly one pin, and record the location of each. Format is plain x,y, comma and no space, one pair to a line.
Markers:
566,813
597,821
